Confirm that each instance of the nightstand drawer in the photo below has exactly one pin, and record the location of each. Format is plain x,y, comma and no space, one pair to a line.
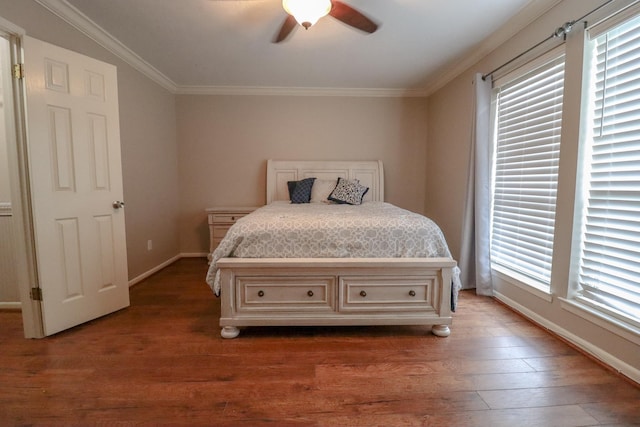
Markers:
226,218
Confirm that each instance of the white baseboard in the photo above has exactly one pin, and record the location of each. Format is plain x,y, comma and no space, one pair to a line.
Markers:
10,305
607,358
168,262
154,270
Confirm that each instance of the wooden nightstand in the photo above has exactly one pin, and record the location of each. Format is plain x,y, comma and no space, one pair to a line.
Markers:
220,219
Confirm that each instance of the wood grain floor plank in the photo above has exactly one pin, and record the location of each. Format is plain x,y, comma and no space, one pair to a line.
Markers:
616,412
560,395
560,416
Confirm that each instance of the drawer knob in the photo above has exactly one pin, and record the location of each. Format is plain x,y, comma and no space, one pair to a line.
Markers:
233,218
310,293
412,293
363,294
260,293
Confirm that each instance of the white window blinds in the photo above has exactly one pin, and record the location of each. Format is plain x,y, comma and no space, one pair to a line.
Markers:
528,125
609,277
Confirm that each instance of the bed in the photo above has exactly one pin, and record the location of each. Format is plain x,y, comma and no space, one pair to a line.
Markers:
321,264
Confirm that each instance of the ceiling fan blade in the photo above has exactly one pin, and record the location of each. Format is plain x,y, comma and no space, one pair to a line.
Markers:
352,17
287,26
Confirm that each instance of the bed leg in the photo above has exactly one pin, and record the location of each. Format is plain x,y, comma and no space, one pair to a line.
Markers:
230,332
441,330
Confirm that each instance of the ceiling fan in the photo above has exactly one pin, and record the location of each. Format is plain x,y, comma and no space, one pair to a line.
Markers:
307,12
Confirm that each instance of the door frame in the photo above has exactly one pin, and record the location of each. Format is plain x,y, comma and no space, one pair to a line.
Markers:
25,256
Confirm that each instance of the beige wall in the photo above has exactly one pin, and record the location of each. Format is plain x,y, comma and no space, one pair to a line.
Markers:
449,112
225,142
149,152
8,282
9,291
150,171
5,188
449,121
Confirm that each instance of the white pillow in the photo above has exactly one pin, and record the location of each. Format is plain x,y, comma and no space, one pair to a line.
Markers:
321,190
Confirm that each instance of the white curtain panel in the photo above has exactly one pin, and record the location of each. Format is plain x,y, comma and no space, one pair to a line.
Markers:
475,263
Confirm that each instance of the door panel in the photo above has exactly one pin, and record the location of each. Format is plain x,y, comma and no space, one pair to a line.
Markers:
69,240
75,175
99,151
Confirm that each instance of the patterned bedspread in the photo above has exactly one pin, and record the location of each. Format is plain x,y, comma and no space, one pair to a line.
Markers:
318,230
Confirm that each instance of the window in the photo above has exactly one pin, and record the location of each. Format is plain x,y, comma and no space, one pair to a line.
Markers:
527,139
609,271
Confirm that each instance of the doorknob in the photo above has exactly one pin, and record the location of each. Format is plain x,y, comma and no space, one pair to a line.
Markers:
117,204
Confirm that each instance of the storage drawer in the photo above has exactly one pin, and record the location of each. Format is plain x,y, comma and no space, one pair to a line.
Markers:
278,294
386,293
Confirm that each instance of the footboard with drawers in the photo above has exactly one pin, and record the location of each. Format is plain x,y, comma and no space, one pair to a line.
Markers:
350,291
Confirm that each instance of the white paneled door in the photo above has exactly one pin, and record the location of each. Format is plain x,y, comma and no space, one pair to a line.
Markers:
75,171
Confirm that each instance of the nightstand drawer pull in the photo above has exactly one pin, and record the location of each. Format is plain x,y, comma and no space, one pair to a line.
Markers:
412,293
310,293
363,294
260,293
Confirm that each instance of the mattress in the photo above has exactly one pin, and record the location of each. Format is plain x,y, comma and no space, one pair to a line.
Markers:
319,230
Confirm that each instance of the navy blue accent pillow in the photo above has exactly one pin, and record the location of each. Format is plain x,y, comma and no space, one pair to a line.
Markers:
291,185
302,191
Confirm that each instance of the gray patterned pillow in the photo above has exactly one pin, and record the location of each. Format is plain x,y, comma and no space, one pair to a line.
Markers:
348,191
302,191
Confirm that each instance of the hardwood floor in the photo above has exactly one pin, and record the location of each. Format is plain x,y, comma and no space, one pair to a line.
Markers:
162,362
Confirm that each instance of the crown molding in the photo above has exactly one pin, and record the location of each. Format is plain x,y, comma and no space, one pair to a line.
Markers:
85,25
528,14
299,91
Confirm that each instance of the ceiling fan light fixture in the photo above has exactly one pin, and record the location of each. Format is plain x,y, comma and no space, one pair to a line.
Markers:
307,12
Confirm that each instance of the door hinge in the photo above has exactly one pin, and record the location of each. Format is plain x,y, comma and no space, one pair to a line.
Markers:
36,294
18,71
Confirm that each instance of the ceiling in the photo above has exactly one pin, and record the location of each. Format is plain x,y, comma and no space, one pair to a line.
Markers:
225,46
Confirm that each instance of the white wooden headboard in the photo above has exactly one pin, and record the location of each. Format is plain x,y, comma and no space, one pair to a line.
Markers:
370,173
